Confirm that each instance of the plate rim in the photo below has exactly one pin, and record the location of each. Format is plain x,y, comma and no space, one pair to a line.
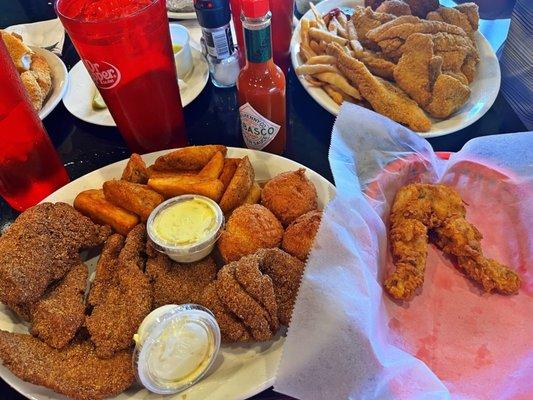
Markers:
317,95
181,15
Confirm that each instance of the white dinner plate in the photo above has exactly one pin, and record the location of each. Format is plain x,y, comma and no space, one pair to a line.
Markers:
59,80
240,371
78,99
181,15
484,88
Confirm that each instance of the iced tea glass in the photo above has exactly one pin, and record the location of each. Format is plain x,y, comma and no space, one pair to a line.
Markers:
125,45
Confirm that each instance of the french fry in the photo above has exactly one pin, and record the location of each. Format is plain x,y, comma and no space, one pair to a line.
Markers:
135,170
313,23
214,167
352,37
323,46
322,59
313,81
318,17
176,186
315,47
314,69
304,31
341,17
339,28
340,82
136,198
239,186
254,195
188,158
230,166
328,37
94,205
306,53
334,94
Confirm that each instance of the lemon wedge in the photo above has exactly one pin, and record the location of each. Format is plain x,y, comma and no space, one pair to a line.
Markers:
98,101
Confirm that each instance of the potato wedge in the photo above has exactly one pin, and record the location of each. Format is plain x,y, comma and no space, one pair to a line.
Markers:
154,173
230,165
239,186
135,170
134,197
254,195
214,167
94,205
176,186
188,158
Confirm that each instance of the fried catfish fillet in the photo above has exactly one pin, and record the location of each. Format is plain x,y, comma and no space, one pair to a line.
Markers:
123,295
57,317
364,20
41,246
75,371
384,97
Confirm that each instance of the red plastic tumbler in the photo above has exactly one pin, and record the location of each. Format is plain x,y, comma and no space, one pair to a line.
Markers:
125,45
30,168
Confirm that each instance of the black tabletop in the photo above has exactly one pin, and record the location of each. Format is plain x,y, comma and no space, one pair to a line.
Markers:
211,118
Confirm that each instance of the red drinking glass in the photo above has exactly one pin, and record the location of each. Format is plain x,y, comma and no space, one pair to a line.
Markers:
282,17
30,168
125,45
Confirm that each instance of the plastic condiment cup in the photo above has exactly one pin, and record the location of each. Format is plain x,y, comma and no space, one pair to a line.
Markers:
184,62
186,253
159,348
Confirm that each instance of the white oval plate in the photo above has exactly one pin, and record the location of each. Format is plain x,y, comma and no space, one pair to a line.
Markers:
484,88
60,80
240,371
78,99
181,15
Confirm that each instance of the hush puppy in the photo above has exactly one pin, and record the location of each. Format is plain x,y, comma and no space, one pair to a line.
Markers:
289,195
251,227
300,235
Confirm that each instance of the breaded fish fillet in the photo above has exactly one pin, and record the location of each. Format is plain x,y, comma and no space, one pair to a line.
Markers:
74,371
41,246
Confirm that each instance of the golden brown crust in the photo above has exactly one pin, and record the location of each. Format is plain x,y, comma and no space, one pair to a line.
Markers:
135,171
238,187
251,227
299,236
289,195
188,158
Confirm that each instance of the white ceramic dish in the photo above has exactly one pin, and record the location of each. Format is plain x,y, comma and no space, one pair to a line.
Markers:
484,88
181,15
78,99
240,371
60,79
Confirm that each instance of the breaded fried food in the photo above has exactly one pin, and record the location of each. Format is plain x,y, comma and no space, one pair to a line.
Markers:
175,283
42,73
289,195
187,184
93,204
394,7
299,236
134,197
75,371
254,195
33,89
250,227
57,317
364,20
40,247
135,171
214,167
188,158
286,273
465,16
376,63
228,170
18,51
239,186
124,297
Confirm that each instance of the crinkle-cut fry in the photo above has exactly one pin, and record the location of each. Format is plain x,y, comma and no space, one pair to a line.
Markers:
328,37
339,81
314,69
335,95
322,59
314,82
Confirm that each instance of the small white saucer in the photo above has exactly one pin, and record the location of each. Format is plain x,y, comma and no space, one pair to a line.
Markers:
78,99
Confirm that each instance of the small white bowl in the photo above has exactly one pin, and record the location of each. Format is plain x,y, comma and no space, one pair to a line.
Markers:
187,253
180,35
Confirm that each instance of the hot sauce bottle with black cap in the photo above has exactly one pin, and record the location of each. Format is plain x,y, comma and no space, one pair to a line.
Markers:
261,83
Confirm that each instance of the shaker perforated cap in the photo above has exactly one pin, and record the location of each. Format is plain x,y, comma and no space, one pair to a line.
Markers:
255,8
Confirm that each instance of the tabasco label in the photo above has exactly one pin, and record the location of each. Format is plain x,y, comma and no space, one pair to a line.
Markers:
257,130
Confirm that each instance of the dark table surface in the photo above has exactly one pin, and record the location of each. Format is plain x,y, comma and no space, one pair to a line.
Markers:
210,118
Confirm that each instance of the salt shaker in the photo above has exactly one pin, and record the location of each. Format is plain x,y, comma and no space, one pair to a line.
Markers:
214,17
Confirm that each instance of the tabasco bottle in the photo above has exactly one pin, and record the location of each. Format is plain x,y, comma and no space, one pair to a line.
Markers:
261,83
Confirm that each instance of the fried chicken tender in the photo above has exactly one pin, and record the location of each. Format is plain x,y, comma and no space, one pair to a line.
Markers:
190,158
299,236
286,273
123,297
289,195
418,208
394,7
40,247
250,227
135,171
58,316
174,283
75,371
364,20
384,97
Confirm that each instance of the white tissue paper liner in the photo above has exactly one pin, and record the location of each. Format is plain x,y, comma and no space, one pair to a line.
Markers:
349,340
